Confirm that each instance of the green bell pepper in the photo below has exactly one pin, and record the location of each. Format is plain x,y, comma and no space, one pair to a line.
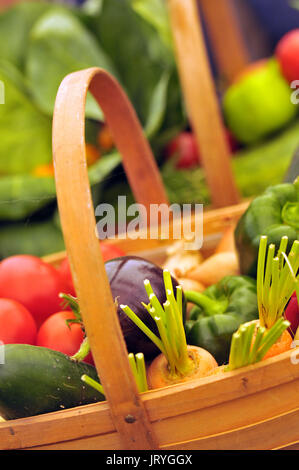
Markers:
274,213
218,312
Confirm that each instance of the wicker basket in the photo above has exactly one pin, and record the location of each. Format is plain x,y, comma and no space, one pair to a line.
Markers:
253,408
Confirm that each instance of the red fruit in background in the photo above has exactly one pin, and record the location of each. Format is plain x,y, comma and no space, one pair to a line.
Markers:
17,325
111,251
184,149
287,54
108,252
56,334
32,282
292,314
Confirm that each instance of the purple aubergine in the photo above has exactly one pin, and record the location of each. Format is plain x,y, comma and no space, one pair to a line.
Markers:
127,275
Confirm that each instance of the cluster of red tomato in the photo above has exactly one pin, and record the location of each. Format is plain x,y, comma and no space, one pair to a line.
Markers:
31,310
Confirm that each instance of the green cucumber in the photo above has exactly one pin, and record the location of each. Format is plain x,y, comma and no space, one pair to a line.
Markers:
36,380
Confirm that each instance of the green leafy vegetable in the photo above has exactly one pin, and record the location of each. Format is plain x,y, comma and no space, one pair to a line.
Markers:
276,279
268,162
141,64
15,26
60,44
169,320
139,371
155,13
24,194
250,343
157,108
138,368
38,238
25,132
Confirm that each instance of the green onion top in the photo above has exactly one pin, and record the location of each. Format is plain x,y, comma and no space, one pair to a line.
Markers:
139,371
276,279
169,320
250,343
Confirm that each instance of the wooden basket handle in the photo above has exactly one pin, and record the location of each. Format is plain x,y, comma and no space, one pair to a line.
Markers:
78,224
227,41
201,101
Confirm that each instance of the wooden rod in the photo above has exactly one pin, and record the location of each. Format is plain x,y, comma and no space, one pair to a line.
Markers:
227,43
78,224
201,101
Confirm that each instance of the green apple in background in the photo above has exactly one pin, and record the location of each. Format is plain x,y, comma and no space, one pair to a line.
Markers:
258,103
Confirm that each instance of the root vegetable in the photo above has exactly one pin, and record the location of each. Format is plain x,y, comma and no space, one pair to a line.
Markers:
180,261
190,284
201,362
227,242
178,361
214,268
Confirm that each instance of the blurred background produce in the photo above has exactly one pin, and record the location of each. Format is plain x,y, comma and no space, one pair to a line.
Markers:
132,40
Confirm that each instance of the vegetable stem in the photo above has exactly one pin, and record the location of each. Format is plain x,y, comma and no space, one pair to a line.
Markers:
210,306
169,320
249,346
143,327
139,371
93,383
83,351
276,279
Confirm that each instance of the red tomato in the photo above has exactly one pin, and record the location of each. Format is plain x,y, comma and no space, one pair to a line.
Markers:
55,334
108,252
66,276
17,325
184,148
287,54
111,251
32,282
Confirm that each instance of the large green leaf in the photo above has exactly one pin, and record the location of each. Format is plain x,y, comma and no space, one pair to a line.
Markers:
36,238
60,44
157,108
25,133
15,25
155,12
23,195
141,58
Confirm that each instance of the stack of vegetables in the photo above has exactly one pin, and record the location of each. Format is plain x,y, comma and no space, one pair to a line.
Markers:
173,334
